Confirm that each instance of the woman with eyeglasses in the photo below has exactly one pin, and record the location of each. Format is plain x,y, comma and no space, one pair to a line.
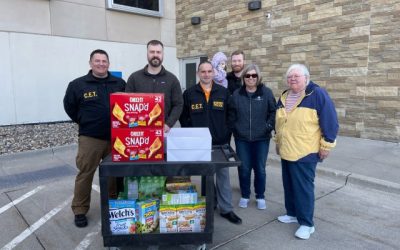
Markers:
306,128
252,117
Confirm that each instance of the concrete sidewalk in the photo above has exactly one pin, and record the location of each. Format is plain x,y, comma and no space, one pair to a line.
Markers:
352,212
375,164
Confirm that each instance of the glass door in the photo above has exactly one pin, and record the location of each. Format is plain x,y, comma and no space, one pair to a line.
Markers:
188,71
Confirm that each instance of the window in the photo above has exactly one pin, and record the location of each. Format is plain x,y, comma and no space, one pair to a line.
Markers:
144,7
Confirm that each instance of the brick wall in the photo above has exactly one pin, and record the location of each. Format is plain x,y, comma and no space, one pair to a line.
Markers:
352,48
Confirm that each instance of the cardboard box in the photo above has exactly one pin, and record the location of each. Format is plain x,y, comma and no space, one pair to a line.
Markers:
189,144
131,110
141,144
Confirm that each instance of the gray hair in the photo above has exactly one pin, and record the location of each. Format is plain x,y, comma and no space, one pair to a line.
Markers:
301,67
249,68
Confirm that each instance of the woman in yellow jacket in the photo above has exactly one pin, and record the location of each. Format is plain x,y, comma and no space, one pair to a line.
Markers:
306,128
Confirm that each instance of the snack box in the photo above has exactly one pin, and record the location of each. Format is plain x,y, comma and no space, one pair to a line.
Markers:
189,144
141,144
175,187
132,110
186,218
168,219
183,197
122,215
200,219
147,215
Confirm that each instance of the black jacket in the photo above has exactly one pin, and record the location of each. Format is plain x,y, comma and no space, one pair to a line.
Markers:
87,102
164,82
197,112
252,119
233,82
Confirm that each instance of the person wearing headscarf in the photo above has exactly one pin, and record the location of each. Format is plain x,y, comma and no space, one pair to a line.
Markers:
219,64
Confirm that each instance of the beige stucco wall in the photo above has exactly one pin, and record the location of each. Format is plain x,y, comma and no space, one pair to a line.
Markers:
351,47
45,44
87,19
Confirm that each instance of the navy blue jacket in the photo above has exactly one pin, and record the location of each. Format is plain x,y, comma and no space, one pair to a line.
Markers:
252,118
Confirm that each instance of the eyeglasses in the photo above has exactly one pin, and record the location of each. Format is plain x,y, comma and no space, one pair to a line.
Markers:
250,75
295,76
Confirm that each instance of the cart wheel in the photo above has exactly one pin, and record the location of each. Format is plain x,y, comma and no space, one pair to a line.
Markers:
202,247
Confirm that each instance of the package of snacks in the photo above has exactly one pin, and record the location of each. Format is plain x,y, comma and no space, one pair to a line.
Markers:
137,145
186,215
147,215
176,187
122,215
180,198
168,219
200,219
132,110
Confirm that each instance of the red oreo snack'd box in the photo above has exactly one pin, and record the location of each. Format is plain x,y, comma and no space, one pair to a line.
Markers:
140,144
131,110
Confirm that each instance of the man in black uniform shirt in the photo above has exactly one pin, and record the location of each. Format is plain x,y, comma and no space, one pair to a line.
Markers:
87,103
205,105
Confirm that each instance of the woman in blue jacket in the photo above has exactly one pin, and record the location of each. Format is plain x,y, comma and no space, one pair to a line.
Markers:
251,118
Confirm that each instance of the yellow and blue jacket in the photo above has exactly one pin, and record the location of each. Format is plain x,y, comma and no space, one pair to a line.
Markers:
310,126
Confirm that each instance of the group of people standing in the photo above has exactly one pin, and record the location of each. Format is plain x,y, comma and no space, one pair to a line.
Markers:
238,103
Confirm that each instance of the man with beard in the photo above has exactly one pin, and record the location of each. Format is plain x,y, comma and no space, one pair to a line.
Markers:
154,78
233,77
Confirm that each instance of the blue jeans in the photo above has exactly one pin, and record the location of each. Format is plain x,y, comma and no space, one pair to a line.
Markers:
253,156
298,185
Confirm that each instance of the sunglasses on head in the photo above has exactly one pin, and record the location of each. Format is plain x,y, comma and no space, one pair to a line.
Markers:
250,75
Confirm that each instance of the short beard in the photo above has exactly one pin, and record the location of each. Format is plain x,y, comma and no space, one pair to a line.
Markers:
234,70
154,63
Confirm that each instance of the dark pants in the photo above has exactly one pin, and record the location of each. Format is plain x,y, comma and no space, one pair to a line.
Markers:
90,153
298,185
253,156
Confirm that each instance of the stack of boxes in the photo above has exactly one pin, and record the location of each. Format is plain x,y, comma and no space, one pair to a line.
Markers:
137,127
137,134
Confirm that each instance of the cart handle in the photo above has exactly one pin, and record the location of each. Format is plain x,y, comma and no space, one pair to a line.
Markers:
229,153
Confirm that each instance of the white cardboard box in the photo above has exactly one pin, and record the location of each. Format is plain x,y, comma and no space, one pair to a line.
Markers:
189,144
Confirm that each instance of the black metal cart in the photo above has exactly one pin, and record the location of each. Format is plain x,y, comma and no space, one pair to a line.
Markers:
222,156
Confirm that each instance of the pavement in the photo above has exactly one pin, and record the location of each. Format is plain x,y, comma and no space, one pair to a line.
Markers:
374,164
357,203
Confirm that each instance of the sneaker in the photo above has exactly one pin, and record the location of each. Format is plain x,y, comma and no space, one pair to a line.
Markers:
304,232
243,202
261,204
287,219
80,220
